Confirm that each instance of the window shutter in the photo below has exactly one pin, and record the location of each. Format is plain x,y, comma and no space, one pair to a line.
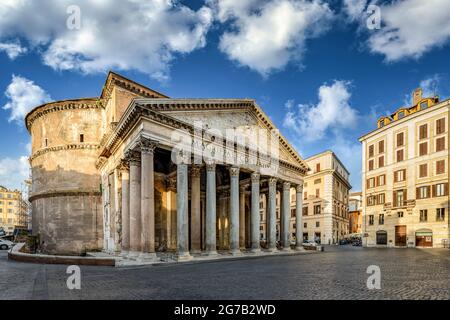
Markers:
395,198
433,190
396,176
445,189
428,192
405,195
417,193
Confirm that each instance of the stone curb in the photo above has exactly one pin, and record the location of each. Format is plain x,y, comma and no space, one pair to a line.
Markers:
15,255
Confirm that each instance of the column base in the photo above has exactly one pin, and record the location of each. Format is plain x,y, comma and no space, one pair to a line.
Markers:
184,257
288,249
147,256
124,253
299,248
133,255
210,254
255,250
236,253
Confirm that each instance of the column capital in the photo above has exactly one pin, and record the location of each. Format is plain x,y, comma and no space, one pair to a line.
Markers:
234,171
273,181
299,188
286,186
123,165
255,177
147,146
211,167
196,171
133,157
171,183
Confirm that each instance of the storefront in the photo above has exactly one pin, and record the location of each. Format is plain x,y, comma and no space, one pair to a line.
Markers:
424,238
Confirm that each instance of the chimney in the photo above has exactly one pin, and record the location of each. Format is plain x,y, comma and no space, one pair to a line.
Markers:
417,96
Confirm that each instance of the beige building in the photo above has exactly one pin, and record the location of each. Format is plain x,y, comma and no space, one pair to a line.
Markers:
135,172
325,199
13,210
405,168
355,203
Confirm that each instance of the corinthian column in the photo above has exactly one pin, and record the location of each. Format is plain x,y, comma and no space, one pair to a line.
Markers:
234,211
125,207
242,217
211,247
272,214
135,202
148,196
195,210
182,212
298,218
255,218
285,216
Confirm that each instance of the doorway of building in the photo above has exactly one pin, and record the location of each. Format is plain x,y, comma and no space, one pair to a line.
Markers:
400,236
424,238
381,237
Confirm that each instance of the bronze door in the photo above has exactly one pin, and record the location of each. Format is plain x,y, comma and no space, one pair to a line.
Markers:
400,236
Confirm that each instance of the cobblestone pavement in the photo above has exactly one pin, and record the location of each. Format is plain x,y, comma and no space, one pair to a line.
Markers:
337,273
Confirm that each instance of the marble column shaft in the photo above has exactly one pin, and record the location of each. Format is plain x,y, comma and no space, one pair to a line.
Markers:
125,210
147,197
299,217
135,205
255,217
182,211
242,217
272,214
285,216
211,247
234,209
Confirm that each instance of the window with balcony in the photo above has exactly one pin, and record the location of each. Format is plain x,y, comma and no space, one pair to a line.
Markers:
399,198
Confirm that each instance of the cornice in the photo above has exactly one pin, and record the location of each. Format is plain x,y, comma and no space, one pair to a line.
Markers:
79,146
42,110
68,193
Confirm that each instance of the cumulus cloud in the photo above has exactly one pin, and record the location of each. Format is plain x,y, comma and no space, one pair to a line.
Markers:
126,35
333,112
23,95
266,35
13,172
409,28
430,85
12,49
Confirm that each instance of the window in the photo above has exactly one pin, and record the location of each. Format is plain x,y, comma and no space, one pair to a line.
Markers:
292,213
305,225
371,220
400,175
381,162
81,138
400,155
371,200
371,183
440,189
423,192
400,139
440,126
440,167
399,198
305,195
381,146
317,209
440,214
381,219
305,211
370,165
423,170
423,131
423,215
382,123
401,114
317,224
381,180
423,149
318,167
380,198
400,214
440,144
317,193
371,152
317,181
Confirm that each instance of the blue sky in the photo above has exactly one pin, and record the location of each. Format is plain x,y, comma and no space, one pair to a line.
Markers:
301,60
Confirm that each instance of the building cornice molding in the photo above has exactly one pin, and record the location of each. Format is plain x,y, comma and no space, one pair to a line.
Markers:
40,111
66,193
79,146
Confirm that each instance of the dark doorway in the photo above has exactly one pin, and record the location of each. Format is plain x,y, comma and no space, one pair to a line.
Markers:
381,237
400,236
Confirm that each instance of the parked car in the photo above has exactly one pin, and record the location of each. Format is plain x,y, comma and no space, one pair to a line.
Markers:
5,244
357,243
343,242
2,232
309,243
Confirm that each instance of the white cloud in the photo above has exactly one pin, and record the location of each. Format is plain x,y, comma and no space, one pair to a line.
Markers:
266,35
430,85
410,28
13,172
23,95
12,49
312,122
138,35
354,9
